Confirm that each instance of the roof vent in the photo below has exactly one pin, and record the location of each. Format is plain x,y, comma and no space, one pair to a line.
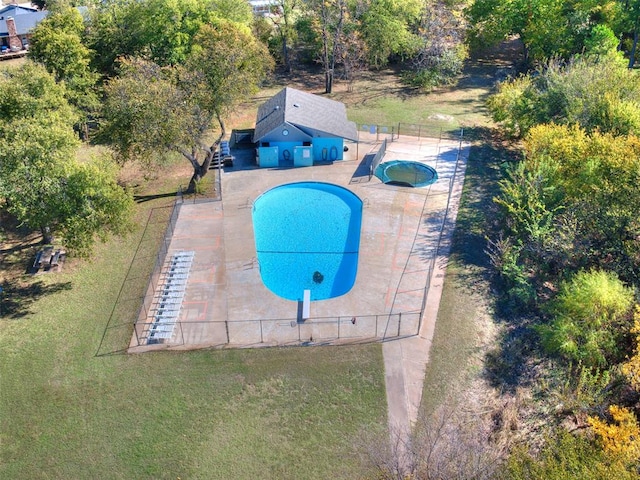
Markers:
277,107
296,105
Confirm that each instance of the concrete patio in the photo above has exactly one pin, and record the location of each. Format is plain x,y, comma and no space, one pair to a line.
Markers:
226,303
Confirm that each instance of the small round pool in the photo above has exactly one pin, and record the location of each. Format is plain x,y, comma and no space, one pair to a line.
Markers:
307,237
406,173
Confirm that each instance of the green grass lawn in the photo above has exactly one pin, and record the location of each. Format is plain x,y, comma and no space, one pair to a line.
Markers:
69,410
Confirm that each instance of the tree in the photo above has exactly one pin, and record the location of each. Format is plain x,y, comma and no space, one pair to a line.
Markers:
145,113
531,243
440,49
387,28
547,28
283,21
595,177
352,54
631,368
57,44
30,91
601,42
149,110
41,183
158,30
597,93
529,203
629,23
328,17
224,69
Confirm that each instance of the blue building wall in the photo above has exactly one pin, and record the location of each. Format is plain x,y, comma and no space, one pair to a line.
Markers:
302,156
267,157
292,151
285,151
327,149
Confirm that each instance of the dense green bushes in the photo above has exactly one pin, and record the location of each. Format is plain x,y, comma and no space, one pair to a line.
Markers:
567,251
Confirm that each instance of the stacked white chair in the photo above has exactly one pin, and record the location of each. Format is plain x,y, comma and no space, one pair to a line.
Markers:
169,298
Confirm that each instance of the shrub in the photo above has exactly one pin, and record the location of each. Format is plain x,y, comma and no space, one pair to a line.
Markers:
565,456
621,438
587,318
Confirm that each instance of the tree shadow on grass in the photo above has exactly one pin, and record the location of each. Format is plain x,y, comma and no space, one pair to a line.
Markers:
148,198
514,360
16,300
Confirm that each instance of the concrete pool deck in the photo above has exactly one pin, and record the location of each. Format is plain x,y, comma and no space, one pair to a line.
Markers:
405,237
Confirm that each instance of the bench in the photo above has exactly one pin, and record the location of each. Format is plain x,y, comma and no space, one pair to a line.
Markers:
55,259
168,300
158,335
172,279
163,327
38,261
43,257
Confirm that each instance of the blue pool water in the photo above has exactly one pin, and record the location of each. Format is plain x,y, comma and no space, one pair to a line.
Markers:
307,237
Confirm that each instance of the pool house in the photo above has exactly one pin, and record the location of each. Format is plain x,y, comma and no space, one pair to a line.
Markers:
298,129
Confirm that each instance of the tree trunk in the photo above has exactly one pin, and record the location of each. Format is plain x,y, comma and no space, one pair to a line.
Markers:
285,53
200,170
47,236
198,173
632,54
328,81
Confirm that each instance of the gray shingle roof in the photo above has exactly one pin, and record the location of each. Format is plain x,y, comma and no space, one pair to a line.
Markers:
24,22
311,113
26,19
13,10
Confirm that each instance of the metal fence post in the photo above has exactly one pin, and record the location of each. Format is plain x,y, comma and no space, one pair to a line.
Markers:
261,337
399,322
135,329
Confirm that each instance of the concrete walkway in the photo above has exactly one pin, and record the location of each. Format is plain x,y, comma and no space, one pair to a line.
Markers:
405,359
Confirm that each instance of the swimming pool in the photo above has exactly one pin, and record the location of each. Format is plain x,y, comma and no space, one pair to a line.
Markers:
307,237
406,173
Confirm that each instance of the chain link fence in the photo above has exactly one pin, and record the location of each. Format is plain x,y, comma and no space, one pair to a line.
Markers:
437,130
259,332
